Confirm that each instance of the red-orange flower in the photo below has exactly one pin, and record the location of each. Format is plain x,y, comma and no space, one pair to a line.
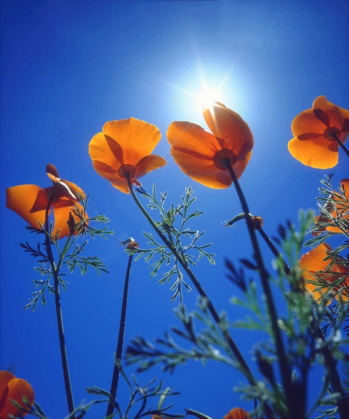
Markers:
314,132
12,388
203,156
237,413
336,209
124,150
314,265
31,201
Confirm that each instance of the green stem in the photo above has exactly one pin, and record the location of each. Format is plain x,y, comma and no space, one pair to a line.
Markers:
316,331
232,345
116,371
55,272
285,369
274,250
341,144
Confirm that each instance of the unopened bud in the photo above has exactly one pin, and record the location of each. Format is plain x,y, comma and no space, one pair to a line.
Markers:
257,222
130,244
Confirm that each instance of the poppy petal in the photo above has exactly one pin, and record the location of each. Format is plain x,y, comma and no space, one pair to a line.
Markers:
120,184
52,172
136,138
148,164
237,413
240,165
72,190
306,122
17,390
100,150
229,126
202,171
110,174
21,199
41,200
311,263
194,138
335,114
319,153
5,378
61,214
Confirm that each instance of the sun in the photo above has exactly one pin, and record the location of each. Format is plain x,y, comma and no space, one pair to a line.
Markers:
207,97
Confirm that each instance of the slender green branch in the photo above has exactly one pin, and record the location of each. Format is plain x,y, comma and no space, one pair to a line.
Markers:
274,250
329,361
341,144
285,369
55,272
232,345
116,372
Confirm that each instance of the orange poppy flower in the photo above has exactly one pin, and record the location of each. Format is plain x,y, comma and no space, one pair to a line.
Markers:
123,150
204,156
314,130
237,413
12,388
313,263
337,211
31,201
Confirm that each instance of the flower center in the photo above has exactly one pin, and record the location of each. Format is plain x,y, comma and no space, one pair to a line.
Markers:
224,159
331,132
127,171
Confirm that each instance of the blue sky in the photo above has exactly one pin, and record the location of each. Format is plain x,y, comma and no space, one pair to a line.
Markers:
67,68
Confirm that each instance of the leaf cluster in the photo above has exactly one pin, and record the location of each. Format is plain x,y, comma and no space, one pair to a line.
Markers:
71,254
207,342
306,345
173,223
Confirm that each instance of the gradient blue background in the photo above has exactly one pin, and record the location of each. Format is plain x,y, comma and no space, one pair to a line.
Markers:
67,68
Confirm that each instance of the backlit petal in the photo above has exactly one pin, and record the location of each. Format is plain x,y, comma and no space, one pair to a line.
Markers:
200,170
120,184
148,164
237,413
52,172
21,199
336,114
240,165
306,122
5,378
136,138
193,137
319,153
61,215
311,263
17,390
74,189
101,151
229,126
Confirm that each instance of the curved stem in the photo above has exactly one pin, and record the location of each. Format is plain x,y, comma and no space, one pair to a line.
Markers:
274,250
55,272
116,372
341,145
316,331
285,369
232,345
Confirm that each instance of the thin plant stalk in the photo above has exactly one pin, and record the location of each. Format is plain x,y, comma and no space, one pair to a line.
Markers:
341,144
116,371
329,361
274,250
285,369
55,273
232,345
